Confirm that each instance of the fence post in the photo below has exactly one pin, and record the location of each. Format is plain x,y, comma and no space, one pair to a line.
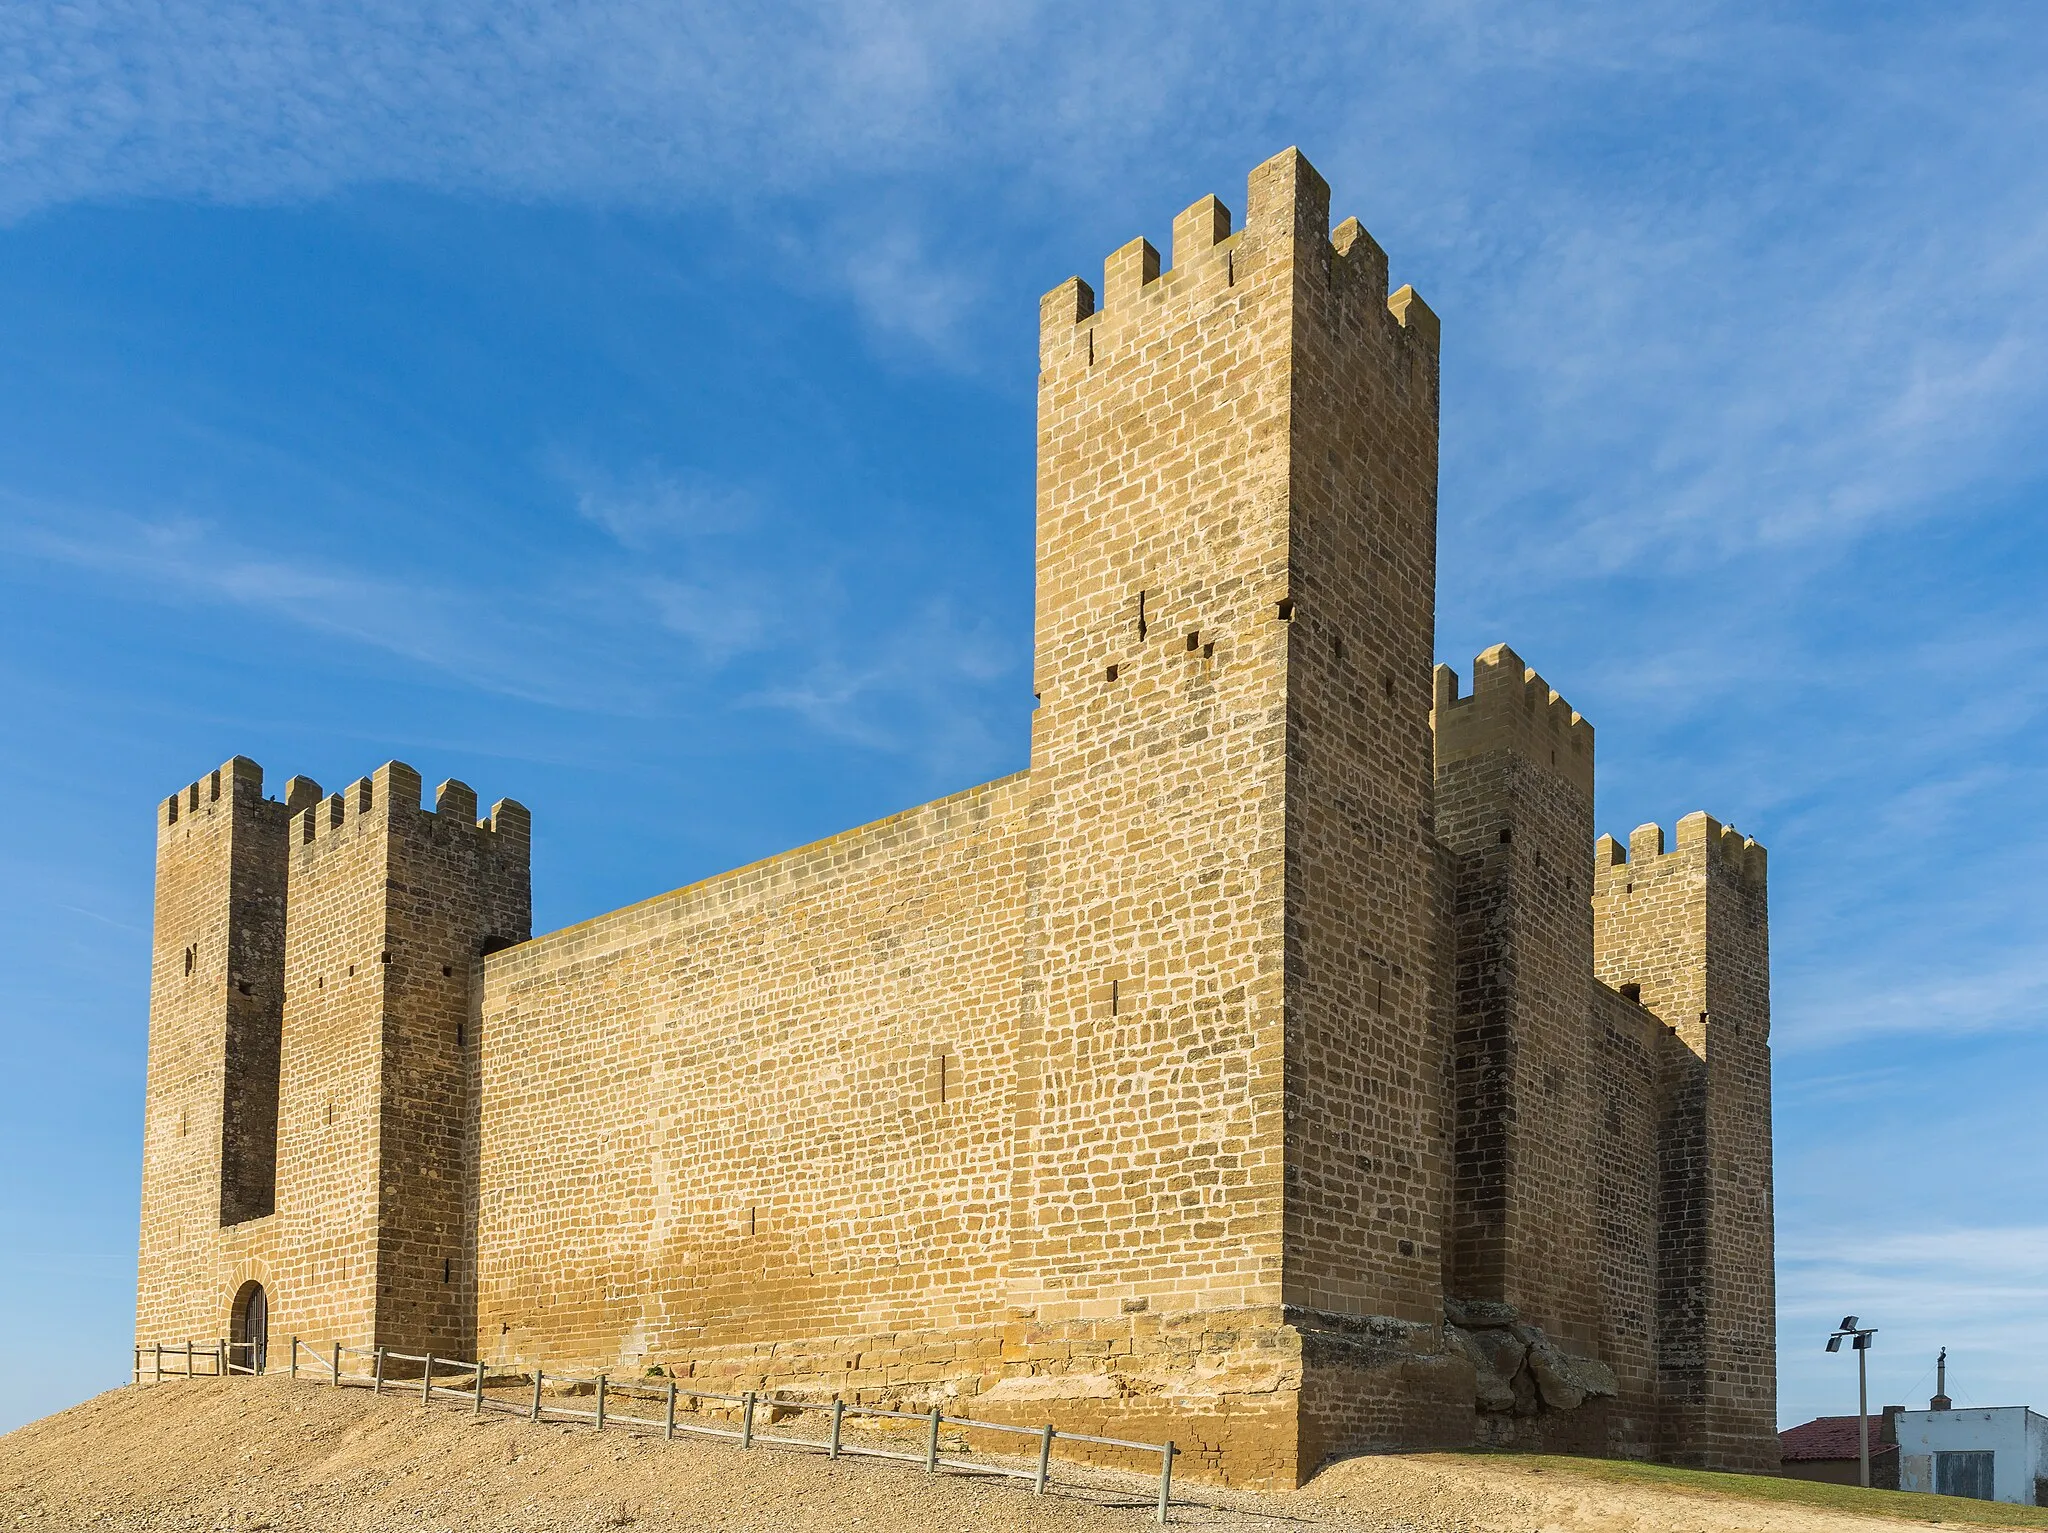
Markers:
295,1357
377,1372
1044,1460
838,1416
188,1357
1165,1479
600,1402
135,1373
336,1365
220,1357
478,1410
747,1421
159,1362
536,1393
931,1444
668,1426
427,1380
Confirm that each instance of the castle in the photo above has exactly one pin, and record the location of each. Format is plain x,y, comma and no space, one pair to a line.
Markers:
1278,1064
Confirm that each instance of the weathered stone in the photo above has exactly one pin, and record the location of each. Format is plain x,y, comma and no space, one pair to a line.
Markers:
1475,1313
1503,1350
1490,1386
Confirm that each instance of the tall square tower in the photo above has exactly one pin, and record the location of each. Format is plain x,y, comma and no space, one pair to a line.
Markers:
1233,1022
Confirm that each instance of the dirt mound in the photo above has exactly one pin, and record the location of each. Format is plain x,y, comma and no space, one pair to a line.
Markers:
252,1454
238,1456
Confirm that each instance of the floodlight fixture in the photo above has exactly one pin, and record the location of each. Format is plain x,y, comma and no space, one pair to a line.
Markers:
1858,1338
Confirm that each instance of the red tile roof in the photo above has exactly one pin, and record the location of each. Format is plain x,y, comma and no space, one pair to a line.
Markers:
1828,1437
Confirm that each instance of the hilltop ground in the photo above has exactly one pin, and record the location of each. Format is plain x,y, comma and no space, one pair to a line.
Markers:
244,1456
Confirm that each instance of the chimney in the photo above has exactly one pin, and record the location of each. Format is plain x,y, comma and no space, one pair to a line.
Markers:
1941,1401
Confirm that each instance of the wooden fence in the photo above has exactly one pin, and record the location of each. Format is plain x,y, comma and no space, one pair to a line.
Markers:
182,1359
177,1360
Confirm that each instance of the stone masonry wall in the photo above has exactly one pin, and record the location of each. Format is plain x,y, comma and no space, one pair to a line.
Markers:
1367,1175
1687,932
774,1104
1628,1108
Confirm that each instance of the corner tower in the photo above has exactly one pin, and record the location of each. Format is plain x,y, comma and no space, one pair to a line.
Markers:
1686,932
1230,1019
309,1122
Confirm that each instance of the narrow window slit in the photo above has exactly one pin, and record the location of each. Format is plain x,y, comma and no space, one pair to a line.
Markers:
1141,614
1285,610
1194,642
1112,673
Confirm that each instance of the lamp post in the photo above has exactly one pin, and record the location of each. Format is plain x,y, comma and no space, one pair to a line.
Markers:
1860,1344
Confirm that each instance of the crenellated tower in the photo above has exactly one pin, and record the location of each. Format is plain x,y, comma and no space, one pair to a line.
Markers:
1514,814
1232,998
1685,934
310,1074
391,907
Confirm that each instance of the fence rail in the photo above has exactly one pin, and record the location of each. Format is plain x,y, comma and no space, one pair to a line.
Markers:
219,1358
181,1359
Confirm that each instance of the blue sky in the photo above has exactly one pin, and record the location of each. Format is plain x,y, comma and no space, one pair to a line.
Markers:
631,412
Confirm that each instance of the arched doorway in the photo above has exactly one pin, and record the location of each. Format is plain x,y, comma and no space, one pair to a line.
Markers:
251,1324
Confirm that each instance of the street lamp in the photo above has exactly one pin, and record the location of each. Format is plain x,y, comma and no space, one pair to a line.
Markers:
1860,1343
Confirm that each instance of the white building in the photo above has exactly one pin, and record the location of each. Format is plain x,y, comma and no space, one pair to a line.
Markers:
1995,1453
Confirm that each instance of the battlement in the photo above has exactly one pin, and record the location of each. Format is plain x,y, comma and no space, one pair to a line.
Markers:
1701,841
1511,707
239,780
1287,204
394,789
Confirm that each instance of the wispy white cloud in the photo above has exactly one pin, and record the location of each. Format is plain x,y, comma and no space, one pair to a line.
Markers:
856,688
1764,287
578,637
656,506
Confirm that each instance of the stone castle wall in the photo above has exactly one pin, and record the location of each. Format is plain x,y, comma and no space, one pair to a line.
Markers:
1267,1067
774,1103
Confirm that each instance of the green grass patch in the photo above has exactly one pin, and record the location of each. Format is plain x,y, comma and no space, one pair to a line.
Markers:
1953,1511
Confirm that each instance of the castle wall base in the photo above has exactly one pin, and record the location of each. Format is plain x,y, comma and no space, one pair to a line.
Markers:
1258,1397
